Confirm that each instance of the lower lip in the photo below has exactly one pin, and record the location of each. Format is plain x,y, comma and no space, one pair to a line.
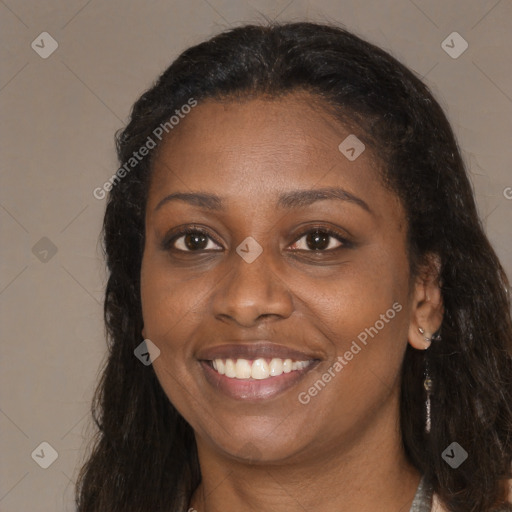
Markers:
253,389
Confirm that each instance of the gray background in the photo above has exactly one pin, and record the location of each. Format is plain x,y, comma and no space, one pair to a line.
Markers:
58,117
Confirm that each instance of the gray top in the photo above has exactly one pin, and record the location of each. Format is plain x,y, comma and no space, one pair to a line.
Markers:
423,498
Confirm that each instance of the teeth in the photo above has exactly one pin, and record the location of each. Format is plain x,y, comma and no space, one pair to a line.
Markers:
276,367
258,369
230,368
243,369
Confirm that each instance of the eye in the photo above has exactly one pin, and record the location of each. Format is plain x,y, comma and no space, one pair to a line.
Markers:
192,240
198,240
319,239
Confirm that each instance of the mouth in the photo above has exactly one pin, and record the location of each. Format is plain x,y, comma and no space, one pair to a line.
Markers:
256,371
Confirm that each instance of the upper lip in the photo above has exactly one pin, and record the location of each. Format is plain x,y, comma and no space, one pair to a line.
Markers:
253,350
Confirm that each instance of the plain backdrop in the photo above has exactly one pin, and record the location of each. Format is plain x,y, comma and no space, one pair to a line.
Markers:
59,113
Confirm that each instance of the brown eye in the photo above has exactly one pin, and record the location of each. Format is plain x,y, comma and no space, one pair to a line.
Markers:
193,241
318,240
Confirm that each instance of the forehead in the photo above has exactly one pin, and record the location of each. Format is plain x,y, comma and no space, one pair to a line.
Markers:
234,147
294,121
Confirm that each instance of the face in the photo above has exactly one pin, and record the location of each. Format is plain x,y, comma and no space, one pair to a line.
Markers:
292,280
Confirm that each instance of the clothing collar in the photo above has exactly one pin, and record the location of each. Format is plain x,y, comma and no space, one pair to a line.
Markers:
422,501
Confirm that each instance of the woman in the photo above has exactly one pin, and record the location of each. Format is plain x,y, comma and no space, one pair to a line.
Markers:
293,234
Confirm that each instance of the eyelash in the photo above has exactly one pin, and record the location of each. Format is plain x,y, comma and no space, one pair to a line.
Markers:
168,244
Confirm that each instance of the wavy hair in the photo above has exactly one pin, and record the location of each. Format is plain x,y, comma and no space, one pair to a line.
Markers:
144,455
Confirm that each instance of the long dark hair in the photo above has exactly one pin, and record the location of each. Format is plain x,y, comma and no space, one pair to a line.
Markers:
144,455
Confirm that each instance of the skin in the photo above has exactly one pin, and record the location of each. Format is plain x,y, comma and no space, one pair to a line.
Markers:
345,442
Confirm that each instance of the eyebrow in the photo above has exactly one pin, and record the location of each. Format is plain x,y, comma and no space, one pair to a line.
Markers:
288,200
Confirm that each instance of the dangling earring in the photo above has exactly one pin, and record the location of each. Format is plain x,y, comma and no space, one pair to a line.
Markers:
428,383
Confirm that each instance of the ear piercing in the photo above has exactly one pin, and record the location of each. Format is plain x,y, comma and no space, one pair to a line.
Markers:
429,339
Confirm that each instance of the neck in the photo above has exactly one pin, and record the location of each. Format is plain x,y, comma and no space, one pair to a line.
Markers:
367,472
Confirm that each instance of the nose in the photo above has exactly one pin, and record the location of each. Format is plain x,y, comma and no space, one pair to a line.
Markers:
252,292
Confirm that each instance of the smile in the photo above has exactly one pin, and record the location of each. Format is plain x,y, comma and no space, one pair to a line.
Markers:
254,380
258,369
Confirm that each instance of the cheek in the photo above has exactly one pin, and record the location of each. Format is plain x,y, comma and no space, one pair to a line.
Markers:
165,311
170,313
174,310
168,302
354,298
363,313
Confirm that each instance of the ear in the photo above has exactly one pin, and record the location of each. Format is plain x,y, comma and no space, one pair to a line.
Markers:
427,303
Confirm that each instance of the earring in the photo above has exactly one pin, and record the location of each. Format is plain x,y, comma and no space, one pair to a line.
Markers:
426,338
434,337
428,383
